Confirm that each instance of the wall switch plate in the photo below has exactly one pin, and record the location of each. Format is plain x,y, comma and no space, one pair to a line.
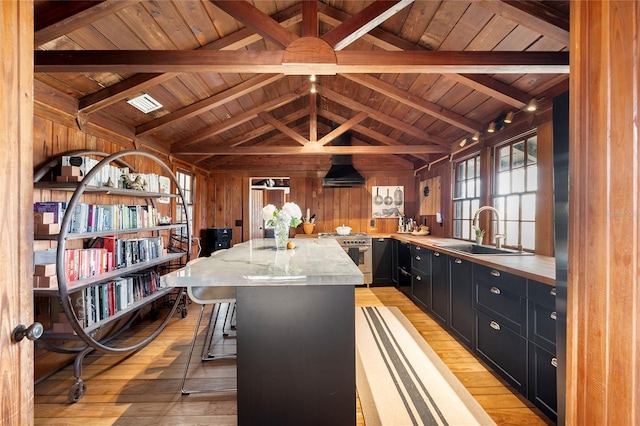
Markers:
239,222
372,222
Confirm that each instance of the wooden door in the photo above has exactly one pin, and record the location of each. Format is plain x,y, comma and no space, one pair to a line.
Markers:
16,189
256,224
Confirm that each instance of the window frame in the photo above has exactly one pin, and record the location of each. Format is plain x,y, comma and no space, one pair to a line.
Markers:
183,176
463,205
510,202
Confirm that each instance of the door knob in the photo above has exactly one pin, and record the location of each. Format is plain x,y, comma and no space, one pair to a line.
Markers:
33,332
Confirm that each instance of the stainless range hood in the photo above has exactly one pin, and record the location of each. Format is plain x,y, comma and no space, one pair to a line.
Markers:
342,173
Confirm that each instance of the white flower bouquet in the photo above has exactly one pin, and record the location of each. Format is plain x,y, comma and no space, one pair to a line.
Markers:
290,214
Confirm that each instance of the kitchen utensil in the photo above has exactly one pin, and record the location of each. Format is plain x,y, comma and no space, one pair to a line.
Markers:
343,230
377,200
397,197
388,200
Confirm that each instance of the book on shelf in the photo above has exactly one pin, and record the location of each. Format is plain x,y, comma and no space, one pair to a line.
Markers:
101,301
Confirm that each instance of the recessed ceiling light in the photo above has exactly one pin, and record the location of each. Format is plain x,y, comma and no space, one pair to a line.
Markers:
145,103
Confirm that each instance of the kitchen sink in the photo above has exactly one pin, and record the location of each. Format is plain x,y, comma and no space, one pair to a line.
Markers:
481,249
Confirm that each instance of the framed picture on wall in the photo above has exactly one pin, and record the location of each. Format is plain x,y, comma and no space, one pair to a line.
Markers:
164,185
387,201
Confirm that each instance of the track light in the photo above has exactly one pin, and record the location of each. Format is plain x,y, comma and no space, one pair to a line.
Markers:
312,78
476,136
492,127
463,142
313,88
532,105
508,119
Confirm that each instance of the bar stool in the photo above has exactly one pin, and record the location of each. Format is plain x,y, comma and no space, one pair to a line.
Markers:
215,296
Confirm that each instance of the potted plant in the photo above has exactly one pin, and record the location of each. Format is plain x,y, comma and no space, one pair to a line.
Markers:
479,235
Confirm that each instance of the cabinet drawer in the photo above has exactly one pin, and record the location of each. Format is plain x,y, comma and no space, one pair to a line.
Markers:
501,294
421,288
542,326
543,380
420,259
542,294
504,349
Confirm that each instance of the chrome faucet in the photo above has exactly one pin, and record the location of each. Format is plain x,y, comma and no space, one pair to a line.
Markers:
499,236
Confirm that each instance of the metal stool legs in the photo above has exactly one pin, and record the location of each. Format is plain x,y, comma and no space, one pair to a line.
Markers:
214,311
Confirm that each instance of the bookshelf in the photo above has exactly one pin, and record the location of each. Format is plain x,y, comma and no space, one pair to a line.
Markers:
109,249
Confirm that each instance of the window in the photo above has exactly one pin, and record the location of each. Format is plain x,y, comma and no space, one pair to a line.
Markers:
516,183
187,182
466,196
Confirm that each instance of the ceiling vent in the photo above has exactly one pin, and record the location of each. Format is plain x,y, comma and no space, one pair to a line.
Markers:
145,103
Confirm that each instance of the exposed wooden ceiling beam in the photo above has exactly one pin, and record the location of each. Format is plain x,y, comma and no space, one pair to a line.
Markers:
363,22
262,130
271,62
315,149
415,102
313,116
214,101
377,36
383,118
534,15
309,18
376,136
257,20
241,118
342,128
139,82
66,17
494,88
297,137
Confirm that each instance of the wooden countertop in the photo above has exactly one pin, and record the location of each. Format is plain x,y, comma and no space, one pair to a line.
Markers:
535,267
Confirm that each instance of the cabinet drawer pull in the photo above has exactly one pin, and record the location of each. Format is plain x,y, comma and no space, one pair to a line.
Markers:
495,273
553,291
495,325
495,290
436,253
554,362
418,278
403,272
381,240
458,261
554,315
418,258
418,248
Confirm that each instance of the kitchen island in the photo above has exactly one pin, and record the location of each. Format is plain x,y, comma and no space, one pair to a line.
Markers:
295,328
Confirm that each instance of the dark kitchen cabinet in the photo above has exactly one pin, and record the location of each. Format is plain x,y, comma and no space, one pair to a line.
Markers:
543,362
404,267
461,286
500,304
440,286
381,259
504,349
421,276
394,261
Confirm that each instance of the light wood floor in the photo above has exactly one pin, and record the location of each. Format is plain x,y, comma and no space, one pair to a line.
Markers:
144,388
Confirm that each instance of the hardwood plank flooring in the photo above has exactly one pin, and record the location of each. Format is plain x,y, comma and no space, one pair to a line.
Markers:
144,388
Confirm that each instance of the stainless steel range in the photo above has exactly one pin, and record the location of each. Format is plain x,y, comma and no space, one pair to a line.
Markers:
358,247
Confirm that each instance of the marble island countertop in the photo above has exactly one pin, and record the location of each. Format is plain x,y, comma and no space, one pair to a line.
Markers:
257,263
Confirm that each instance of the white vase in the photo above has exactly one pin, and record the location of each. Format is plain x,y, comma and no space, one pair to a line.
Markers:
478,240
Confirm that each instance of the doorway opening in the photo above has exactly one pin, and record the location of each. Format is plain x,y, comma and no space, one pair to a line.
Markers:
263,191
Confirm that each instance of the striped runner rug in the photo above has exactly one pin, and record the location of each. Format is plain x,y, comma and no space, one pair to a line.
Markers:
401,380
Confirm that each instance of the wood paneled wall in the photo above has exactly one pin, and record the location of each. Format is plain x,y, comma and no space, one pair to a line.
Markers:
16,230
603,306
333,207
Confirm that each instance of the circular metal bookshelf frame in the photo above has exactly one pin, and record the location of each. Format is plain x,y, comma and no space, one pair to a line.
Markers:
63,292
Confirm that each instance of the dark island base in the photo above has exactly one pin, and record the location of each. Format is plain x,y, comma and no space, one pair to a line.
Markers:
296,355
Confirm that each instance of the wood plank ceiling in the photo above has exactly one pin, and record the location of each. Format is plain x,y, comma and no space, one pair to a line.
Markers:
410,79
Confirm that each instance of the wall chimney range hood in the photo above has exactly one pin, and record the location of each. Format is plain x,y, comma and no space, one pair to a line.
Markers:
342,173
